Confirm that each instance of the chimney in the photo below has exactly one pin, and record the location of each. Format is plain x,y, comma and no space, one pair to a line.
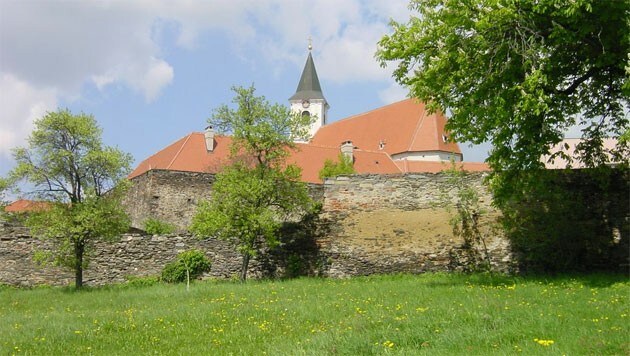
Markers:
347,149
209,139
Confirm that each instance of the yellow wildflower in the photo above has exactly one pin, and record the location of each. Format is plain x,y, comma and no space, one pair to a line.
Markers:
388,344
544,342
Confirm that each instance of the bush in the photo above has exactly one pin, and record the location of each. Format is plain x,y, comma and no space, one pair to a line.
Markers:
332,169
133,281
193,261
156,227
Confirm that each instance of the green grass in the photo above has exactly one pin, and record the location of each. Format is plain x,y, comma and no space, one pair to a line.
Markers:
433,314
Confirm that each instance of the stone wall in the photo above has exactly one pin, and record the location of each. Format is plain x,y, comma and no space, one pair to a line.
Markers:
413,191
133,255
172,196
369,224
398,223
169,196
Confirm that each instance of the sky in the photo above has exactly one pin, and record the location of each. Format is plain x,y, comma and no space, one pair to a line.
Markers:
152,71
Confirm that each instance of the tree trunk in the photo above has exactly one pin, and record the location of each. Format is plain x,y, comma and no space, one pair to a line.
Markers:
187,279
79,247
244,267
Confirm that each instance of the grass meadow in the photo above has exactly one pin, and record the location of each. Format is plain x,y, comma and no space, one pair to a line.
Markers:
432,314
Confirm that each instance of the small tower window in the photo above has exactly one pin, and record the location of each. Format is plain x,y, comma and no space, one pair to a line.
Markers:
306,113
444,138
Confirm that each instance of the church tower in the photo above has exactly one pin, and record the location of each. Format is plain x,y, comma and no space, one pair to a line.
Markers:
308,98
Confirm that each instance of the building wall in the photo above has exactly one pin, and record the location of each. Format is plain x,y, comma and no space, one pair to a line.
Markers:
172,196
385,224
317,108
432,156
168,196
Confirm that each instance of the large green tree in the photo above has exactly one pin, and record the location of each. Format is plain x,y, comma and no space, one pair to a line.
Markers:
519,73
253,196
66,163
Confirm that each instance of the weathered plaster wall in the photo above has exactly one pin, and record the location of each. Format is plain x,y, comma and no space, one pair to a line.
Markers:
172,196
168,196
384,224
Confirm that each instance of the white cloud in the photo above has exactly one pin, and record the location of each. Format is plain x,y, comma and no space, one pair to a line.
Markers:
49,50
64,45
147,77
158,75
350,58
344,35
20,105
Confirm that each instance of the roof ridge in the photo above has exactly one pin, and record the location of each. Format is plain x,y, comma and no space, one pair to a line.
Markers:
418,126
168,166
170,144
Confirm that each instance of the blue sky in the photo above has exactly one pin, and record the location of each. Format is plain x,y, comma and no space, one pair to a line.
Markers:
152,71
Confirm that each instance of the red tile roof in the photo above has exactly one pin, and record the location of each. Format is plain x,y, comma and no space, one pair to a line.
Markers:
189,154
23,205
403,126
311,159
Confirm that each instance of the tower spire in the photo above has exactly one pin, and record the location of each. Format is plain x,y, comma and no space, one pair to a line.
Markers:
308,87
308,99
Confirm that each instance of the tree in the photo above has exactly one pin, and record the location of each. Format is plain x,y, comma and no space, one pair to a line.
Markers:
4,185
345,165
463,202
258,191
189,265
66,163
519,73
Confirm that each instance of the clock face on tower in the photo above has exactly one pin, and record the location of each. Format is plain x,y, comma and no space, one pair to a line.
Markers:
305,103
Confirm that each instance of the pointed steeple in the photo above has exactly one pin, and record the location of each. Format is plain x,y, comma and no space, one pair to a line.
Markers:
309,87
308,99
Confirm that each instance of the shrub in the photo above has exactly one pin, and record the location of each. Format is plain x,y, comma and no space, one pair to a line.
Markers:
188,265
156,227
332,169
